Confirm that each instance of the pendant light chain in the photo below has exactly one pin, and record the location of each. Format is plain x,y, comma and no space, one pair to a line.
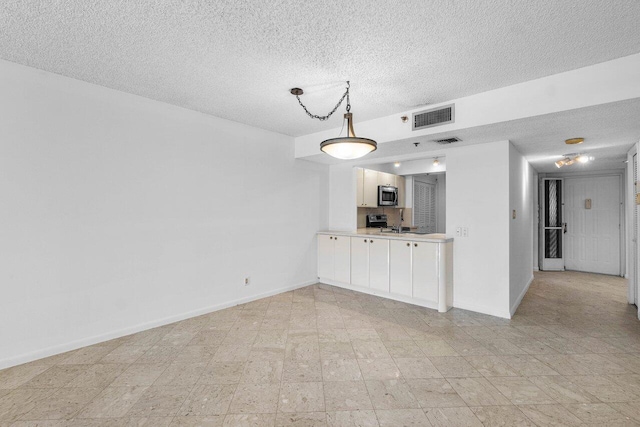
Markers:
323,118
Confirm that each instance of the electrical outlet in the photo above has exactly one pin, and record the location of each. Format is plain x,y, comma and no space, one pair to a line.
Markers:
247,281
465,232
458,231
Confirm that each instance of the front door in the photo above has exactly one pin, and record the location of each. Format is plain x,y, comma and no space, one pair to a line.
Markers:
552,225
592,207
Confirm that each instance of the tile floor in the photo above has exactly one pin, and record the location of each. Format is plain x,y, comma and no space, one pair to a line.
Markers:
324,356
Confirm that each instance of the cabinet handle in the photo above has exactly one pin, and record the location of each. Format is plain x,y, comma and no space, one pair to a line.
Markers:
408,244
415,244
331,238
370,241
365,240
336,238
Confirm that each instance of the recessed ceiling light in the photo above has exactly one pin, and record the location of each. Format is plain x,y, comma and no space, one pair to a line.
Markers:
396,164
572,141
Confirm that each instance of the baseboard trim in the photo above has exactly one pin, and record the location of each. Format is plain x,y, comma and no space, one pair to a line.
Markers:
463,305
381,294
74,345
517,302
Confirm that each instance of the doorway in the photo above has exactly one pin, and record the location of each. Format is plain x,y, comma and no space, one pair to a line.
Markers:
582,227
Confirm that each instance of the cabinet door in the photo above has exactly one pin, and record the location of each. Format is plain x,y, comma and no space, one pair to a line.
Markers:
325,256
400,183
370,194
425,271
400,267
386,179
342,259
360,187
379,264
360,261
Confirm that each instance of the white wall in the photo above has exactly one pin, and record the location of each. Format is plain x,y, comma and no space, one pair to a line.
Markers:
441,202
535,191
521,229
120,213
478,198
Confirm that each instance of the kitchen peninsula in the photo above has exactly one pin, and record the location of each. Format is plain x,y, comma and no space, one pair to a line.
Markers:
408,267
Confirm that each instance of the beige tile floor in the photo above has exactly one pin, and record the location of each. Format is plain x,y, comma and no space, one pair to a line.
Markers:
326,356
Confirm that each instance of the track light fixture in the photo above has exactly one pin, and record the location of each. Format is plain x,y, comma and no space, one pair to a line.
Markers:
570,159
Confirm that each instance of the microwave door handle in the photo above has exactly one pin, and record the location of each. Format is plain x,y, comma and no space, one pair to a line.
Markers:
395,199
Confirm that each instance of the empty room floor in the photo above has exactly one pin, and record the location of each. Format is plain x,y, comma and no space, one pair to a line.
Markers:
322,355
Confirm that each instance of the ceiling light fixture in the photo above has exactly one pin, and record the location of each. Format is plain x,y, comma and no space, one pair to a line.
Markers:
570,159
436,162
346,147
573,141
396,164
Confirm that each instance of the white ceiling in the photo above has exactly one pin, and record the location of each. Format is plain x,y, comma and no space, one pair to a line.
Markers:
237,59
609,131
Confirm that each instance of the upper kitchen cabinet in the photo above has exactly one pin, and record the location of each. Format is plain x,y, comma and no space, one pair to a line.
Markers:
368,182
367,196
386,179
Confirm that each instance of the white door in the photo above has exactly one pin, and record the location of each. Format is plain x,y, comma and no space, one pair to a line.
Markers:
552,236
425,271
379,264
400,267
424,206
592,216
360,261
342,259
325,256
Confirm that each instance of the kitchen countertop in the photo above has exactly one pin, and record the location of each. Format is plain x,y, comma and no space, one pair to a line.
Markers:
434,238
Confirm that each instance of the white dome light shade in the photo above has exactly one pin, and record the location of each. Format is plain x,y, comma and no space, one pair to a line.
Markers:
348,148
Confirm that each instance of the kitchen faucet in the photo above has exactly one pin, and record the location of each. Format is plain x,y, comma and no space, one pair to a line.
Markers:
400,220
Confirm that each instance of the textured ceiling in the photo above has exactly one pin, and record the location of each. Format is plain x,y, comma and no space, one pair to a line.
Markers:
237,59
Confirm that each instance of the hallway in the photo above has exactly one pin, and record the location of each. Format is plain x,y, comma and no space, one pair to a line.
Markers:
325,356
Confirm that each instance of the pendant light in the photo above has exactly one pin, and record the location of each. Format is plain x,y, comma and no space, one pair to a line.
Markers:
346,147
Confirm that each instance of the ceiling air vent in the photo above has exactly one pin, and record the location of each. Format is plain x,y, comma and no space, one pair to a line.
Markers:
446,141
434,117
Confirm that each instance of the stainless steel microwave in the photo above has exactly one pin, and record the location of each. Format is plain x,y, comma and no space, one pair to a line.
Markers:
387,195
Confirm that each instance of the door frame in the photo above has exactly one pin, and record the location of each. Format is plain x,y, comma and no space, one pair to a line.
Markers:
622,211
633,255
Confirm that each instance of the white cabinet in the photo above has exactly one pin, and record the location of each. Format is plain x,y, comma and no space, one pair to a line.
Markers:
400,268
334,258
413,270
370,263
367,187
386,179
360,261
379,264
425,271
326,256
370,188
